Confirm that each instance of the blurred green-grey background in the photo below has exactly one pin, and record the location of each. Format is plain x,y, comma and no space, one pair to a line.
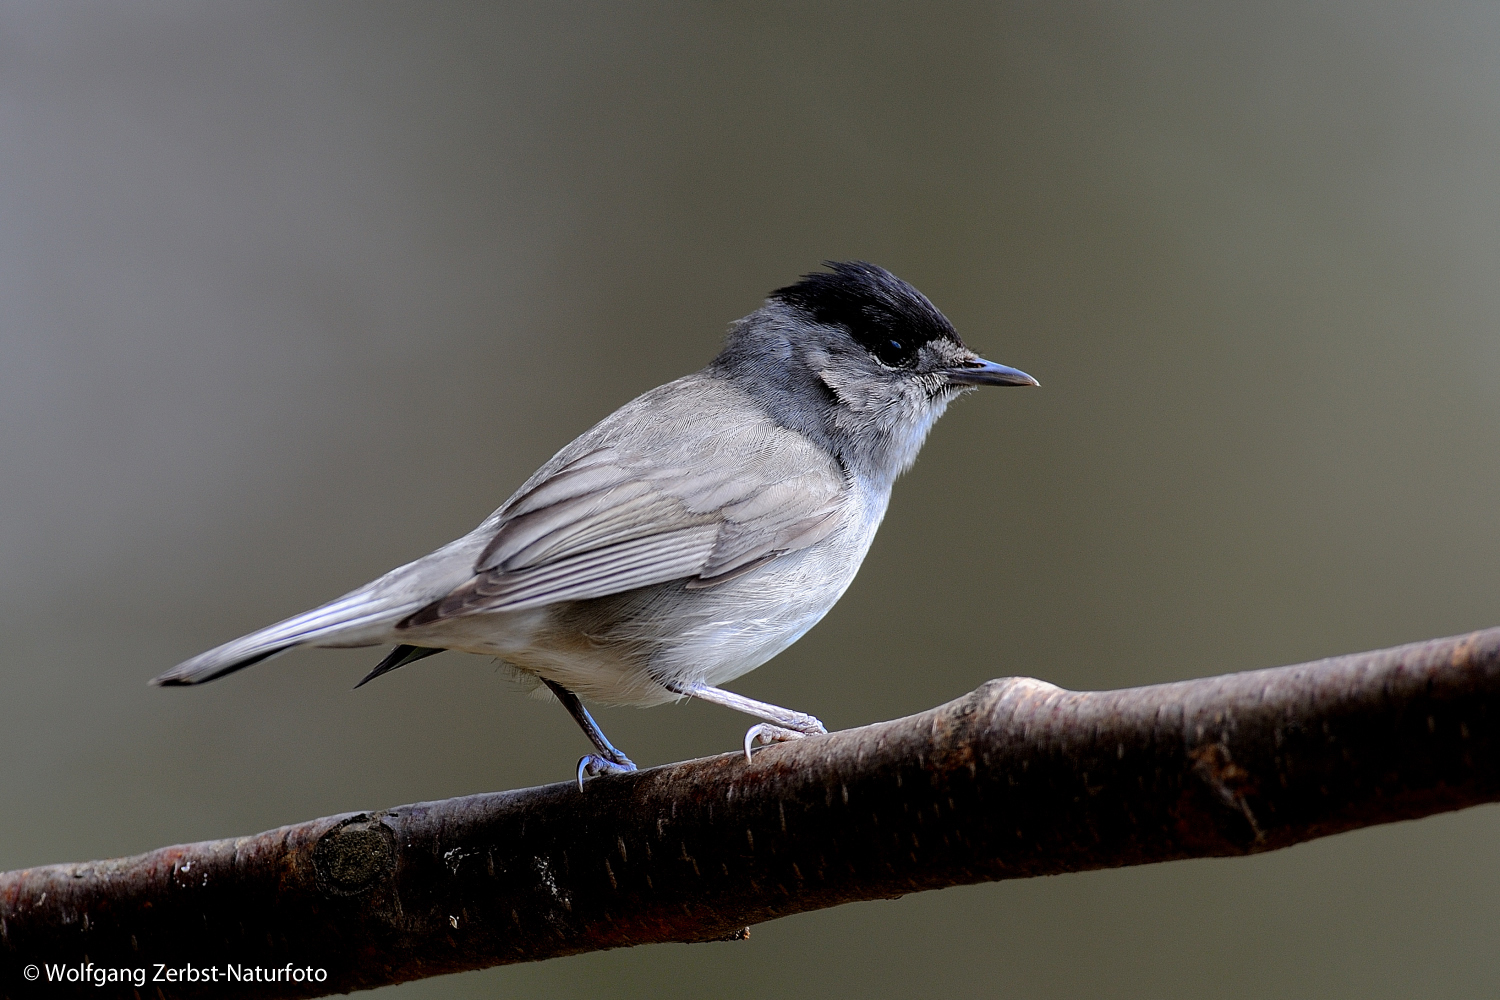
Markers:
292,293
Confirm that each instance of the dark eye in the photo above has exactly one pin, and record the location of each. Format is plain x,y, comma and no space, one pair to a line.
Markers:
893,352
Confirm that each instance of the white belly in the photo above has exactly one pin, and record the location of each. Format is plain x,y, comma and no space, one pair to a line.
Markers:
619,649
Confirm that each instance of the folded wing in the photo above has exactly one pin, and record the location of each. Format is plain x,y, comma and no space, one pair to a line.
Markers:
611,519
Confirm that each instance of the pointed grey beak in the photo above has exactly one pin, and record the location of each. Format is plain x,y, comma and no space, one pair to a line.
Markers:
982,372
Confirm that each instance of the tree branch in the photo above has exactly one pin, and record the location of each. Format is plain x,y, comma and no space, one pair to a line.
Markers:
1018,778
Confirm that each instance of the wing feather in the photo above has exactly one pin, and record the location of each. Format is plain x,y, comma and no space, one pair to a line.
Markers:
605,516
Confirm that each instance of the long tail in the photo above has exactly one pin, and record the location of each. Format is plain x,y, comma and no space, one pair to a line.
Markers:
356,619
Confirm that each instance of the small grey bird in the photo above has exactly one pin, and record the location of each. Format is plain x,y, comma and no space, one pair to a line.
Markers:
692,534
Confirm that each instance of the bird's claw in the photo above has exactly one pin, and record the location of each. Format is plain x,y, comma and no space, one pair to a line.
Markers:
765,734
594,765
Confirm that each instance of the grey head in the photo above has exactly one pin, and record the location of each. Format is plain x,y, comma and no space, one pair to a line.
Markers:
859,361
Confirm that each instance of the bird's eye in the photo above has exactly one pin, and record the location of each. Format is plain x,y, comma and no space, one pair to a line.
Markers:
887,342
895,352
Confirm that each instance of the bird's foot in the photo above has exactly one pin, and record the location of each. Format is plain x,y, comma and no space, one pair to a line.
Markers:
594,765
765,734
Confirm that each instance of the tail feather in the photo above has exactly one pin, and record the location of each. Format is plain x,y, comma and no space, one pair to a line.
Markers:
356,619
178,676
398,657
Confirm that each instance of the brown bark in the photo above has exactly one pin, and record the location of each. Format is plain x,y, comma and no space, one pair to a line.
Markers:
1018,778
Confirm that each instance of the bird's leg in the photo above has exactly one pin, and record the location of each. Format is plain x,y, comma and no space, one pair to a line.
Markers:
608,760
781,724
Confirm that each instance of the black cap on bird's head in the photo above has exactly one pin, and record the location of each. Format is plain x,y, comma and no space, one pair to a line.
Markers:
890,319
885,315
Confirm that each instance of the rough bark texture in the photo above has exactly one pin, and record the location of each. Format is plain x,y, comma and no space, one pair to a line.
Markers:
1018,778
